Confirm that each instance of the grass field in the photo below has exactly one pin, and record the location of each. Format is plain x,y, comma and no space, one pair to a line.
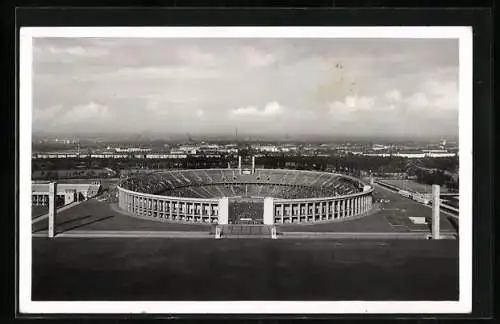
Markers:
203,269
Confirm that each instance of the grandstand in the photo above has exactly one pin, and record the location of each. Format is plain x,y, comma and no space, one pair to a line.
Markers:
217,183
227,195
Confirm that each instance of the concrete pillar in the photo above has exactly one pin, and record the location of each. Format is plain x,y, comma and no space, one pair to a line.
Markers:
239,164
436,204
282,213
223,211
154,207
253,164
217,232
52,208
268,211
314,211
273,233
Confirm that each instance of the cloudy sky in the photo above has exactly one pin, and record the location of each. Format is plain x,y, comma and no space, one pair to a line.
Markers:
348,87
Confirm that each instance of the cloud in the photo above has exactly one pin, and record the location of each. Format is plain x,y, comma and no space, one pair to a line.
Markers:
270,109
156,105
257,58
393,95
91,111
352,104
163,72
73,118
158,84
200,113
78,51
47,114
194,55
417,100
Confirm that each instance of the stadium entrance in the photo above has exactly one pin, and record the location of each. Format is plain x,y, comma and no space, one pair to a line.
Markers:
247,211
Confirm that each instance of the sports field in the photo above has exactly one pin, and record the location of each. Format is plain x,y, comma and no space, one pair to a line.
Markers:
204,269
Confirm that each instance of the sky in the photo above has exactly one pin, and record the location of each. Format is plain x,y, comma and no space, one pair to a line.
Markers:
325,87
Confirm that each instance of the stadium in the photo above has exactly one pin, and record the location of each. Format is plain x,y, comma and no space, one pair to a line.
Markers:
244,196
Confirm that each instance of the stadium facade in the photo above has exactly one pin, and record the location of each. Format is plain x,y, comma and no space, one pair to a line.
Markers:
205,195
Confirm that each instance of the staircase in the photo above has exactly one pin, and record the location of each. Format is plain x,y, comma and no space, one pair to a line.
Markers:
245,231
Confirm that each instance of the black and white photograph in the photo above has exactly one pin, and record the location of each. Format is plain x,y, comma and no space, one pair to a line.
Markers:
245,170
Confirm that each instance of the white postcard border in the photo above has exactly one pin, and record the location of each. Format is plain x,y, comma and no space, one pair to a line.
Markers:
464,305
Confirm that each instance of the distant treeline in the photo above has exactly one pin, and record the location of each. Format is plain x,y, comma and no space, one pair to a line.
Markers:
437,177
350,163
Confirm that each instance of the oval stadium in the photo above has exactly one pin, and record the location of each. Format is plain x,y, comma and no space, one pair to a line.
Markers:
244,196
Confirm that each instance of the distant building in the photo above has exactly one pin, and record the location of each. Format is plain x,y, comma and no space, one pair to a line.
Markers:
437,155
378,147
66,192
132,149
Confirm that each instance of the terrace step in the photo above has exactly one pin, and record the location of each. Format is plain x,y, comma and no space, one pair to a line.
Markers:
246,231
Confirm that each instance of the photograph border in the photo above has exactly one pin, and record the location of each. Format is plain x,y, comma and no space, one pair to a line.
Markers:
319,308
464,36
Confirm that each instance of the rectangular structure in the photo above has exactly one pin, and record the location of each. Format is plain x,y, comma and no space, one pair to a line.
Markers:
224,211
436,202
269,211
52,208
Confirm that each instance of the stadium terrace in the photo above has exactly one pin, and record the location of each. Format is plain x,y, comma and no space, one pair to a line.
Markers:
273,196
